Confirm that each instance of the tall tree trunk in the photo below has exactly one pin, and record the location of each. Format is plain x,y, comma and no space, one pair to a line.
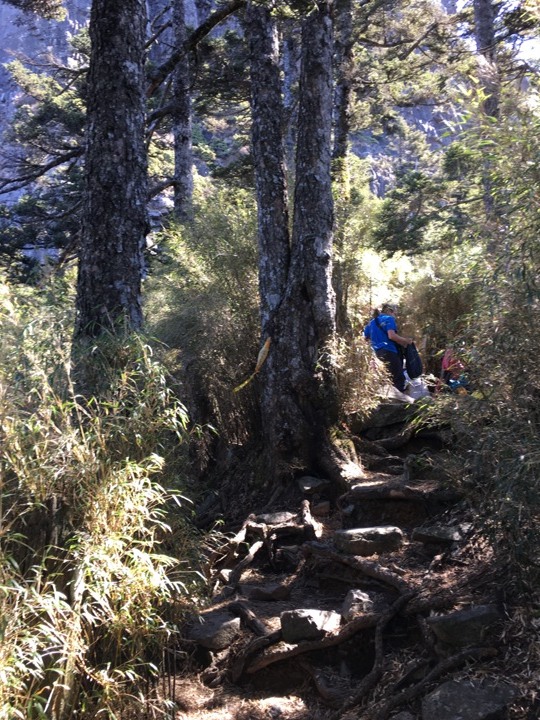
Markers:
313,218
290,63
114,215
181,117
344,59
343,45
298,392
484,30
268,155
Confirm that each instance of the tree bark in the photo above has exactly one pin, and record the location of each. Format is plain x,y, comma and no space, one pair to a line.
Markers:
484,31
114,214
298,392
204,8
311,261
343,90
182,120
290,63
342,124
268,156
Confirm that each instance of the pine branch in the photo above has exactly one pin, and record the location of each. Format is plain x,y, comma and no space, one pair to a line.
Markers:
8,185
160,73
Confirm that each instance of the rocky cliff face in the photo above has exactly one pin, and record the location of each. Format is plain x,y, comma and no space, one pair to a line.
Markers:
27,36
31,37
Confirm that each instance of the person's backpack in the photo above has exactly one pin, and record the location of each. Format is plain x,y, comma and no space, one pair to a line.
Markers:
413,361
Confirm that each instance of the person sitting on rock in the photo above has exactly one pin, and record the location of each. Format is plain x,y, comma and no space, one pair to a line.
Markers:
386,343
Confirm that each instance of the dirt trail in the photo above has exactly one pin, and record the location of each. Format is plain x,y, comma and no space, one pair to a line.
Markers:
387,654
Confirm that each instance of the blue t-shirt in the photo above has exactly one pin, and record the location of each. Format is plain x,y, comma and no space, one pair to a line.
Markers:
378,335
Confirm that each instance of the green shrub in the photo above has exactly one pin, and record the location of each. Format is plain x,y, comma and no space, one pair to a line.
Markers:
203,304
497,427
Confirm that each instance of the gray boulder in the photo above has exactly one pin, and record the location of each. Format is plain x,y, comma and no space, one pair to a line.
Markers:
464,628
356,603
311,485
442,535
385,414
369,541
268,592
214,630
299,625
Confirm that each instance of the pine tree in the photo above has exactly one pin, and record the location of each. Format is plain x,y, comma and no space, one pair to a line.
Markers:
114,214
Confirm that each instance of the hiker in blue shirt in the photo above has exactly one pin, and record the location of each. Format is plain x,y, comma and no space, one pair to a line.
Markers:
382,333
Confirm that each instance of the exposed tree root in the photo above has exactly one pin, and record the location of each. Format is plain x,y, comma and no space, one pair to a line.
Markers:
375,674
252,648
307,528
373,677
371,447
312,527
399,440
242,565
345,633
383,710
330,695
394,490
366,567
343,471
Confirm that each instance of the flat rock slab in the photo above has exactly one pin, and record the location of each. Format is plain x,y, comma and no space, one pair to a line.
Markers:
465,627
214,630
369,541
299,625
276,518
468,700
442,535
391,412
268,591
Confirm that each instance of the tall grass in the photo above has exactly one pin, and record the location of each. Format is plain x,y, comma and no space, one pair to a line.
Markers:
89,487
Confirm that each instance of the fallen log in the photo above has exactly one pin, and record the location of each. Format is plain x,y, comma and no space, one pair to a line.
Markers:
248,618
